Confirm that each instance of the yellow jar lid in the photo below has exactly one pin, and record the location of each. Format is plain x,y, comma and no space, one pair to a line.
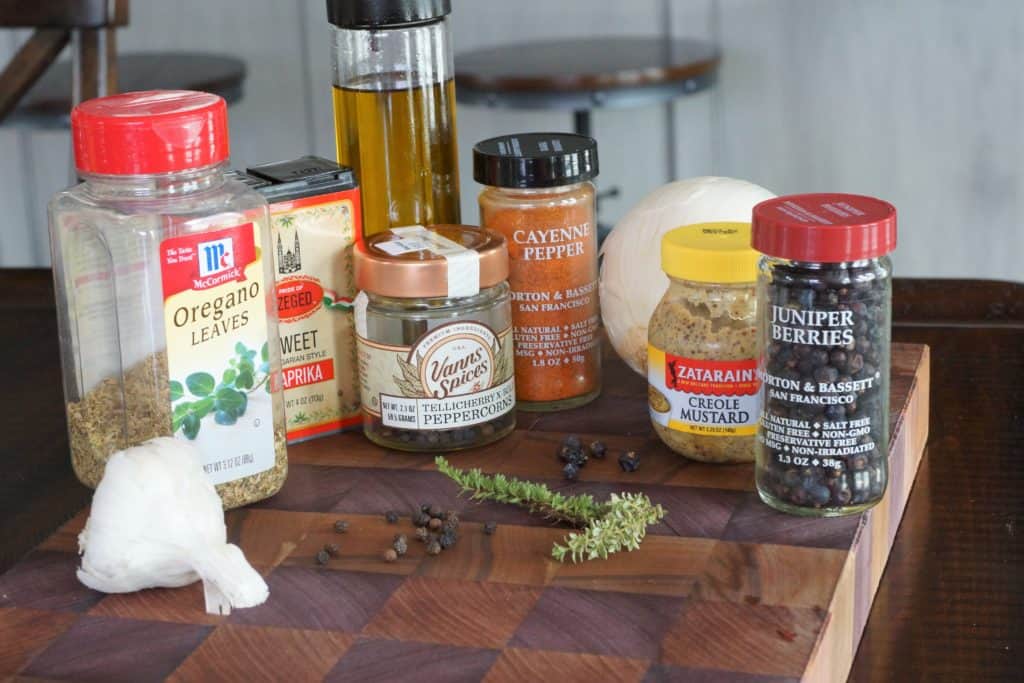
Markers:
710,252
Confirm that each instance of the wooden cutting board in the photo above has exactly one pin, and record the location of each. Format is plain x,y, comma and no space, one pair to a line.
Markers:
723,589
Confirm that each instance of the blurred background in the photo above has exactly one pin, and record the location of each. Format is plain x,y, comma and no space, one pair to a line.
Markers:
919,102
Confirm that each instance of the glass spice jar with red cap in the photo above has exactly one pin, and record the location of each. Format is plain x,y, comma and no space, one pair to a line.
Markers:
824,319
165,294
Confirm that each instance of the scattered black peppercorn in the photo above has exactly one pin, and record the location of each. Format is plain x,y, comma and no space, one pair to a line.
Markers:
425,508
571,471
434,548
450,515
490,527
572,441
391,516
332,549
341,526
629,461
323,557
421,519
422,534
401,544
448,539
435,524
598,450
450,525
436,511
390,555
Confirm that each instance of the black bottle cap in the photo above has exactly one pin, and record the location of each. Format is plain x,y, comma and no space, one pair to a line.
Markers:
527,160
380,13
303,177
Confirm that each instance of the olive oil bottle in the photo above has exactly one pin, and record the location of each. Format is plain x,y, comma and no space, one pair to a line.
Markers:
402,144
394,108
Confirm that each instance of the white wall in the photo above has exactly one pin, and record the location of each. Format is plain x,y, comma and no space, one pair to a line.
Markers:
918,102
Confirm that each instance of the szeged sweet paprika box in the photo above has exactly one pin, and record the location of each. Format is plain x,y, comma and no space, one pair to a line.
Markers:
315,219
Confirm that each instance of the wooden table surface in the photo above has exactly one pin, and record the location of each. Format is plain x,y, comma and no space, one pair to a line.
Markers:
951,601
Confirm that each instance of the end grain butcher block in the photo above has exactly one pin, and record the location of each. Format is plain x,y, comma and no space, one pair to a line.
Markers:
723,589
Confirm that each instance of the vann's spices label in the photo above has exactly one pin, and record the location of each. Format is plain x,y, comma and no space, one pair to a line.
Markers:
315,286
456,375
706,397
215,320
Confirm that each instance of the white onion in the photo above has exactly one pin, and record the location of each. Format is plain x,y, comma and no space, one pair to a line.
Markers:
632,281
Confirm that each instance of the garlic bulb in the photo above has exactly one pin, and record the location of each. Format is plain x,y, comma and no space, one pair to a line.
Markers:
632,281
157,521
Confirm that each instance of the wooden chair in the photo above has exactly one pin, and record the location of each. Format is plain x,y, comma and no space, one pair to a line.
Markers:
88,25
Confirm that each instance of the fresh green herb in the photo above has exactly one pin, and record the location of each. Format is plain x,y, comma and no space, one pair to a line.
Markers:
605,528
226,400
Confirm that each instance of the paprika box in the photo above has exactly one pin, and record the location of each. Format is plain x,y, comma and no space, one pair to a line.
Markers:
315,218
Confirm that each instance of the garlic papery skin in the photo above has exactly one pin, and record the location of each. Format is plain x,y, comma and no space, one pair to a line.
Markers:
632,281
157,521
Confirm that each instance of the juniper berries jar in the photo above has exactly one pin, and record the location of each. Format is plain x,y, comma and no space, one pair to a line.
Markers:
434,337
824,317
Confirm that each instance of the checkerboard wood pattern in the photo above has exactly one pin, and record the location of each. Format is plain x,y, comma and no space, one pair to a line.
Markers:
723,589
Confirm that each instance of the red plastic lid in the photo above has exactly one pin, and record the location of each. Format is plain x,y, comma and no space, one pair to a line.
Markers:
824,228
155,131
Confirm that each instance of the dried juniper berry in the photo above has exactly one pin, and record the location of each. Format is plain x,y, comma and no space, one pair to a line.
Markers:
401,544
390,555
332,549
341,526
490,528
391,516
571,471
598,450
629,461
323,557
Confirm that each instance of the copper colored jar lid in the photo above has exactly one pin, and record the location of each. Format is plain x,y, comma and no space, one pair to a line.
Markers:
387,264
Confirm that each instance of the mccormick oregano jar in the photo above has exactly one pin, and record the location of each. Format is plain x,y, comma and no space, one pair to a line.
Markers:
702,344
434,337
165,294
824,302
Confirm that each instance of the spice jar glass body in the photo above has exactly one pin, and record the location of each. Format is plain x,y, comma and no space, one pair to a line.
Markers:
700,328
824,333
402,323
538,195
166,313
394,115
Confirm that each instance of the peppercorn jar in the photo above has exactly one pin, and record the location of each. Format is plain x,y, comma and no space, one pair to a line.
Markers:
702,344
539,195
165,301
434,337
824,300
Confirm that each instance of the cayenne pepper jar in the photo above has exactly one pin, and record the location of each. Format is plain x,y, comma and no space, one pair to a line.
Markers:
539,196
165,294
702,344
824,302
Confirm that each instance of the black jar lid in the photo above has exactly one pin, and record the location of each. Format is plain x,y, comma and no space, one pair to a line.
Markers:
527,160
382,13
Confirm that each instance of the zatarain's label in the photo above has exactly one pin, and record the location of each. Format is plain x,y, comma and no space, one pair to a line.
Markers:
456,375
706,397
215,318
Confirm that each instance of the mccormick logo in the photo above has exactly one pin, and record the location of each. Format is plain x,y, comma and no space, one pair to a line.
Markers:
216,256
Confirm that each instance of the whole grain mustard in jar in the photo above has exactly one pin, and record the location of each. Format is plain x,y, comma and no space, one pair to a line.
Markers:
434,338
703,388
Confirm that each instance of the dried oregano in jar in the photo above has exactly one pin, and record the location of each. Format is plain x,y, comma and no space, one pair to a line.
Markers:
824,324
164,297
702,380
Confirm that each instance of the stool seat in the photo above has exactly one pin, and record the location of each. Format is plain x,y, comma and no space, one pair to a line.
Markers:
48,103
585,73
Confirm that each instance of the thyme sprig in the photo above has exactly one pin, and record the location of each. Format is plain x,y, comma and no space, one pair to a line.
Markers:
605,528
